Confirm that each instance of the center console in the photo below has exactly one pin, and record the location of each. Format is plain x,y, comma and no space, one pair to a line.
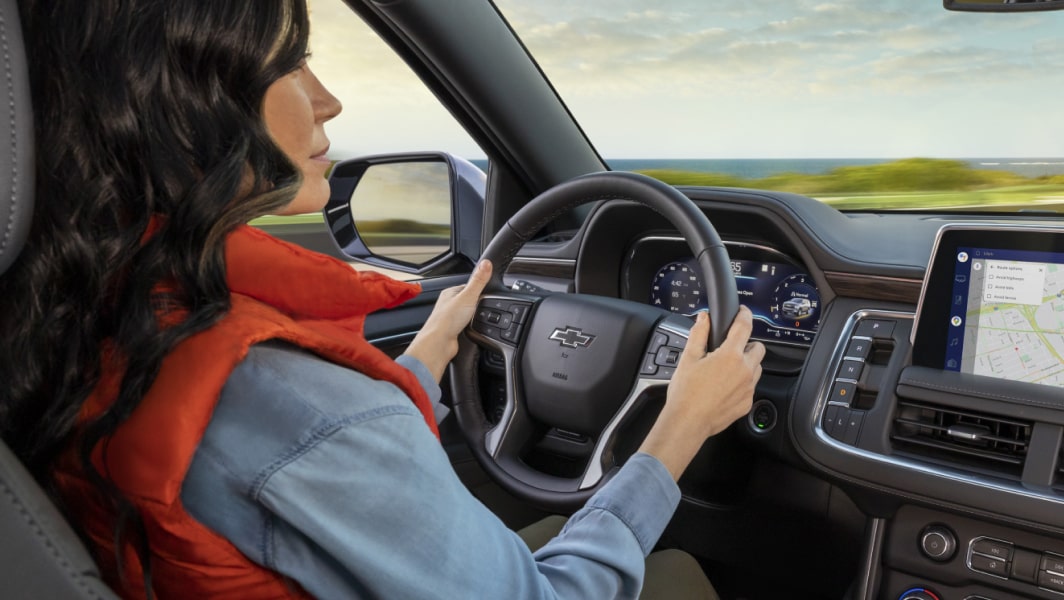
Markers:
950,419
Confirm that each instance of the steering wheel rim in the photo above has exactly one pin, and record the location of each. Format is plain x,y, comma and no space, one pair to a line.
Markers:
498,447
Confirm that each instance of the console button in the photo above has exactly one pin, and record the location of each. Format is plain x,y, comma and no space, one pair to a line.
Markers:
843,392
852,427
829,418
838,425
838,428
993,548
1052,562
851,369
1051,581
988,564
763,416
874,328
859,348
938,543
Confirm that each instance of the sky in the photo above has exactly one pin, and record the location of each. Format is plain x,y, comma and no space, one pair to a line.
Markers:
739,79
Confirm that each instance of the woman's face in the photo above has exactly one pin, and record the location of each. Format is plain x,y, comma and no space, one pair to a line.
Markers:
295,109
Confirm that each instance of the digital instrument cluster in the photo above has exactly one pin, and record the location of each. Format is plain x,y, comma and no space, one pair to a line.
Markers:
781,295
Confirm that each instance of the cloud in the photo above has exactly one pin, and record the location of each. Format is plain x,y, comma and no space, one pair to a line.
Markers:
793,48
652,78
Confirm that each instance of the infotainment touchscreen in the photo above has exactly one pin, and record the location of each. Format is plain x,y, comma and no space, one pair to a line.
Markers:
993,304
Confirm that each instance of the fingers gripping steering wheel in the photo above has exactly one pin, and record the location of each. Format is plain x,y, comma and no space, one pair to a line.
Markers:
576,362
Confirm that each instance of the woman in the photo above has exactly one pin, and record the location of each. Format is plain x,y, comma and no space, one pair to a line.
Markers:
199,395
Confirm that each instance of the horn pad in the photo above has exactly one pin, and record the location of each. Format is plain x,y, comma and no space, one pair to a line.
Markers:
581,358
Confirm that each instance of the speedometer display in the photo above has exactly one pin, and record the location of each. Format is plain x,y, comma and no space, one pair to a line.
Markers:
678,287
782,297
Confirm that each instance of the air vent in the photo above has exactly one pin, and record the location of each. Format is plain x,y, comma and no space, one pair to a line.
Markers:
978,441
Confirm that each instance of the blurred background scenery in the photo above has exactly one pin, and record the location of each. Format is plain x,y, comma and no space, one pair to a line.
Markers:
893,104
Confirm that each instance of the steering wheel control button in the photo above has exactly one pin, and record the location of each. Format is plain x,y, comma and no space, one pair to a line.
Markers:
843,392
649,367
668,357
763,416
501,319
519,311
482,327
665,373
659,340
938,543
875,328
512,333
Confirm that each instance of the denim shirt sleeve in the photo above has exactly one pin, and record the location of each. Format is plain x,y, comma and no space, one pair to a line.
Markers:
432,387
360,500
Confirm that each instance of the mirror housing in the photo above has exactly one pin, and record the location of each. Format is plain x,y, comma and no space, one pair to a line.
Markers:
399,200
1002,5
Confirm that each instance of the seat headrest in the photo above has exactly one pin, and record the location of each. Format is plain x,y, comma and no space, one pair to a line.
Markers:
16,137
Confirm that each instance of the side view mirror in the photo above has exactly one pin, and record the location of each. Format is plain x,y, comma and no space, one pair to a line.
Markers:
1002,5
415,213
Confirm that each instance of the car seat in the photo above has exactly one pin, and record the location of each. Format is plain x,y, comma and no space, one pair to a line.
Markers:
40,556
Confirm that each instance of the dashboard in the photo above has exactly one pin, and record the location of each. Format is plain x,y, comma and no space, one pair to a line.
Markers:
778,291
895,382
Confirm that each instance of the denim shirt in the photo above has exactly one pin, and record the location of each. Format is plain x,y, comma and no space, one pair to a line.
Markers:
332,479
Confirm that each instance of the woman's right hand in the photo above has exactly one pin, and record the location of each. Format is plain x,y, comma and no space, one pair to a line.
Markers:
708,392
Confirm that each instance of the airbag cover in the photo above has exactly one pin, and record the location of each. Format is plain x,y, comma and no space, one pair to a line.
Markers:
581,357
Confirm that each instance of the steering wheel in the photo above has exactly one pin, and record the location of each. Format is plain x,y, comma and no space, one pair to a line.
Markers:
574,362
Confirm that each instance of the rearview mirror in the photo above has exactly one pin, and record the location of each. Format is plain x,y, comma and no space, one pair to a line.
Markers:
1003,5
415,213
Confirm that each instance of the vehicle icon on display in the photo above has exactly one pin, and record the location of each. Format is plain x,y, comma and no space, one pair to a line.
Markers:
797,308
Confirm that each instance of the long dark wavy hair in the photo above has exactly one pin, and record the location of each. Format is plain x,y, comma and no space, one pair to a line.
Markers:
151,147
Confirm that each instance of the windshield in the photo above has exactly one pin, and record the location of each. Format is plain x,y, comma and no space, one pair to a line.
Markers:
891,104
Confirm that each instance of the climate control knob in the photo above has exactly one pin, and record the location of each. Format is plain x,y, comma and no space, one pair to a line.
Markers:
938,543
918,594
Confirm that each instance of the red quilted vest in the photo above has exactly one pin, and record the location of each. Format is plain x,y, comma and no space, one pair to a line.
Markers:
279,291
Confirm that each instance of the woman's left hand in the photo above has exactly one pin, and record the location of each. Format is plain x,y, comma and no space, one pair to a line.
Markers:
437,342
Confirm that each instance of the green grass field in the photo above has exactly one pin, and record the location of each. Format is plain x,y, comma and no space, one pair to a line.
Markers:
907,184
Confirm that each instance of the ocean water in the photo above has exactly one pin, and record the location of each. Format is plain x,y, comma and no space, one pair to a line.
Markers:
757,168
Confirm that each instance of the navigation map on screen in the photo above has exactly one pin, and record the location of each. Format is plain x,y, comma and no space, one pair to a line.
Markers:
1007,315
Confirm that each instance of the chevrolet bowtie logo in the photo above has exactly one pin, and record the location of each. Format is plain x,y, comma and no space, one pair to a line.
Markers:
571,337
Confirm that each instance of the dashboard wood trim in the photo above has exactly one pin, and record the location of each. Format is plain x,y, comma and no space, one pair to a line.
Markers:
544,267
874,287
